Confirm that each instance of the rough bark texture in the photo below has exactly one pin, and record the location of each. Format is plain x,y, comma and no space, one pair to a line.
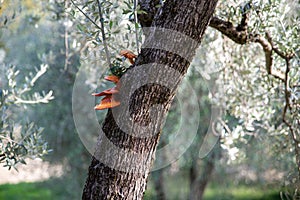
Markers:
114,174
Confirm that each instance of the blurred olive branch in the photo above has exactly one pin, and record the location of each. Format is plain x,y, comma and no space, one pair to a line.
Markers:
18,140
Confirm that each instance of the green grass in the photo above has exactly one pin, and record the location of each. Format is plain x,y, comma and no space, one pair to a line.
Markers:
241,193
48,190
24,191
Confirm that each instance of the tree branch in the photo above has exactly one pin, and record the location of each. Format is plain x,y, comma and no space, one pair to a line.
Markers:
285,109
268,49
135,25
237,34
244,22
91,20
240,35
103,34
283,55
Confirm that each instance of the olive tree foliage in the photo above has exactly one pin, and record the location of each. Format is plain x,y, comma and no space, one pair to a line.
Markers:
260,81
104,33
43,35
20,138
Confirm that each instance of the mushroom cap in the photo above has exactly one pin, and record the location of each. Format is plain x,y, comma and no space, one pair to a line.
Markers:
127,54
112,78
113,90
107,102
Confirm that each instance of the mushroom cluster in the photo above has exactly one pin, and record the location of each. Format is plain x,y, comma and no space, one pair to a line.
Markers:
117,71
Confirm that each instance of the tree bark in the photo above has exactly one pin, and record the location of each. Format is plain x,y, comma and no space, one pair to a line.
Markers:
130,133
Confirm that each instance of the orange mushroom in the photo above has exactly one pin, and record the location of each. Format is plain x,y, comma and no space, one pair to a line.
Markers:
128,54
113,90
112,78
107,102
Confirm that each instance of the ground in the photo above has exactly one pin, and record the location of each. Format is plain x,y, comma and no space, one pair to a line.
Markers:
35,170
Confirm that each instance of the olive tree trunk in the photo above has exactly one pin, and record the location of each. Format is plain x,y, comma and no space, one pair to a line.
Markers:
199,178
130,133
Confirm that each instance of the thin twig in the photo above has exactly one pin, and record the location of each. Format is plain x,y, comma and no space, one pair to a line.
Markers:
287,100
8,139
135,25
288,107
66,49
274,48
100,28
103,34
90,19
225,126
66,37
287,96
